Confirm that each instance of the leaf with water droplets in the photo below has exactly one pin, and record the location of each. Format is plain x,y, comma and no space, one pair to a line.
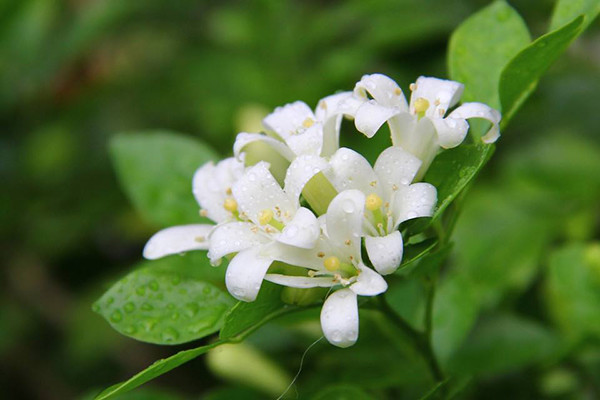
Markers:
165,306
156,169
453,170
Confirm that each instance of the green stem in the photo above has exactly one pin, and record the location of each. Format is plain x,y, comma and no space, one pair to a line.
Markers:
420,340
319,192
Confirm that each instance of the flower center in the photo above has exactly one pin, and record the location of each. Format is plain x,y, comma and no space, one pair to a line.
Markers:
230,205
373,202
266,217
421,105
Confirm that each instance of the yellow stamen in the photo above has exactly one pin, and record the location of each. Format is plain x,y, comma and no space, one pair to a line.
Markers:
398,92
230,204
421,105
308,122
203,213
265,216
332,263
373,202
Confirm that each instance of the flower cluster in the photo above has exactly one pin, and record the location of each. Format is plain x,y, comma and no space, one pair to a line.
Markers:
314,210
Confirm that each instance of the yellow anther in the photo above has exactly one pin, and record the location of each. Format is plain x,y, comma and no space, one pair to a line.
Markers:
323,105
332,263
373,202
413,87
228,191
200,239
265,216
203,213
398,92
230,204
308,122
421,105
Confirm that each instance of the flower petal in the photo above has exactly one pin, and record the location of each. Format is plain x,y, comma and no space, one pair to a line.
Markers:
257,190
415,201
385,252
245,273
329,112
301,282
297,256
302,231
450,131
440,93
300,171
344,221
177,239
243,139
383,89
350,170
418,137
339,318
480,110
286,120
396,167
231,238
368,282
371,115
211,183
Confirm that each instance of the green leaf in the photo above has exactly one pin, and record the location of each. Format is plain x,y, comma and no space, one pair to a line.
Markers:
157,369
520,77
244,316
453,170
164,306
342,392
566,10
573,290
482,46
436,392
156,170
414,252
505,343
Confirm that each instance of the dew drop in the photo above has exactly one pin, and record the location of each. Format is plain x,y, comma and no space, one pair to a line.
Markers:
110,300
129,307
191,309
140,290
153,285
175,316
175,280
348,206
130,330
147,307
96,307
206,290
196,328
169,335
149,324
116,316
291,231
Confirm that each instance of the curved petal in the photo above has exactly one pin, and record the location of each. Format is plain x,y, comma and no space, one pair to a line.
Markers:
245,274
440,93
383,89
450,131
211,183
300,171
231,238
339,318
243,139
302,231
368,282
301,282
371,115
329,112
415,201
396,167
480,110
418,137
297,256
385,252
307,140
344,221
177,239
286,120
257,190
350,170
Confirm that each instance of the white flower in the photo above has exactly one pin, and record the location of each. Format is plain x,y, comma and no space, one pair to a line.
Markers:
421,127
212,188
390,198
270,220
336,260
294,130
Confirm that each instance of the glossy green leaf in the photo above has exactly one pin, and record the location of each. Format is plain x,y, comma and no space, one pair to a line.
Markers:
520,77
159,368
156,170
505,343
342,392
244,316
164,306
566,10
482,46
453,170
573,290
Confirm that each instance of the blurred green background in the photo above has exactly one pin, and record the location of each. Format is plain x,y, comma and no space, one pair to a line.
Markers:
519,306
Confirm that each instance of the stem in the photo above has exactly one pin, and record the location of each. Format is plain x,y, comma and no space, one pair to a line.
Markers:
420,340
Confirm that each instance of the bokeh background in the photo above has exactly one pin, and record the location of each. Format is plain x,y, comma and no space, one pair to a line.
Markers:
73,73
